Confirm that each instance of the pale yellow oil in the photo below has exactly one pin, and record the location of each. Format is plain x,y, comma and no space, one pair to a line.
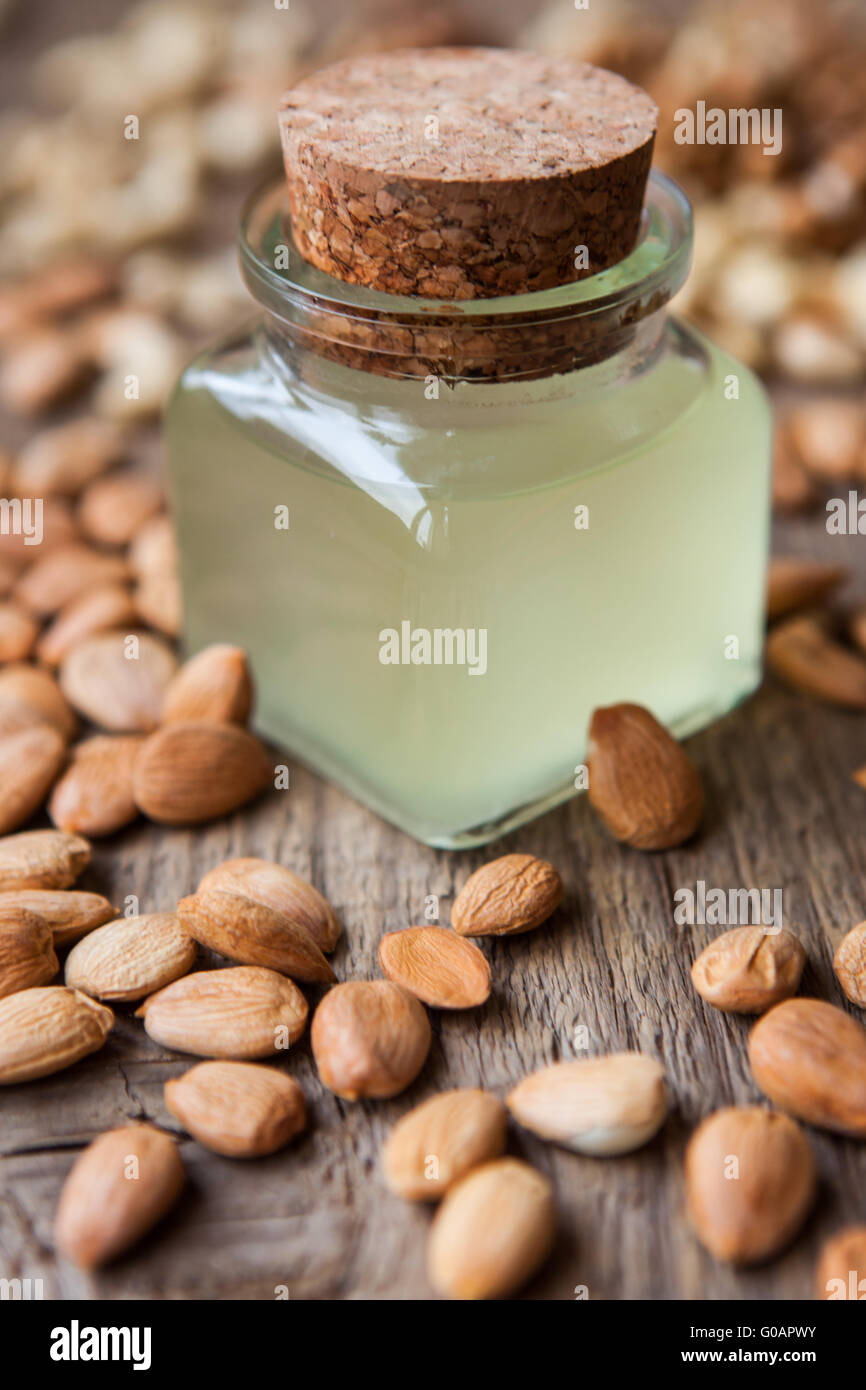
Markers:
460,512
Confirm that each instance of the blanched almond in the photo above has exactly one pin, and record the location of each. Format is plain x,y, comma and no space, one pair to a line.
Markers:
45,1030
507,896
841,1269
94,794
113,509
642,782
438,966
69,915
118,1189
492,1232
253,934
29,764
599,1105
17,632
750,1180
190,773
238,1108
118,680
441,1140
802,655
243,1011
748,970
63,459
41,859
793,583
370,1039
810,1059
65,574
109,606
130,957
214,686
27,954
849,964
279,888
31,696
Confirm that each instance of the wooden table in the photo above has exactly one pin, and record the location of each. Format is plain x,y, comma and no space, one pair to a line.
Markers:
316,1219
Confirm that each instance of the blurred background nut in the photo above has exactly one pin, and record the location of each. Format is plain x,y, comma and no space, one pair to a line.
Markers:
749,969
849,964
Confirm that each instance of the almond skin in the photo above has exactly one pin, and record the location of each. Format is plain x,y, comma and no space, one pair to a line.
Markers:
94,794
805,658
190,773
748,970
130,957
214,686
370,1039
492,1232
439,967
507,896
599,1105
641,781
29,763
793,583
119,683
242,1012
237,1108
118,1189
748,1213
17,632
440,1141
281,889
841,1269
69,915
28,696
849,964
252,934
98,610
41,859
44,1030
27,955
810,1059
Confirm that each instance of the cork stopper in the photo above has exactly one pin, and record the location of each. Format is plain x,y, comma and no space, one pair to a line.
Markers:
465,173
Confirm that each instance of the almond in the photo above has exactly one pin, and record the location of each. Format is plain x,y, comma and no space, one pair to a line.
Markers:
212,687
17,632
509,895
370,1039
27,954
30,696
69,915
857,627
281,889
252,934
829,436
750,1182
154,550
159,603
237,1108
641,781
99,610
849,964
810,1059
29,763
65,574
748,970
841,1268
441,968
599,1105
130,957
802,655
118,680
63,459
41,859
793,489
94,794
436,1144
244,1012
793,583
56,288
493,1231
17,548
118,1189
44,1030
42,367
190,773
113,509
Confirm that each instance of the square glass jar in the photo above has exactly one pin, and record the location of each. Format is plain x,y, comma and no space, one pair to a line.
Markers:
445,533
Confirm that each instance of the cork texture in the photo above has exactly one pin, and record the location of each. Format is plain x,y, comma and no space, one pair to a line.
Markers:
464,173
